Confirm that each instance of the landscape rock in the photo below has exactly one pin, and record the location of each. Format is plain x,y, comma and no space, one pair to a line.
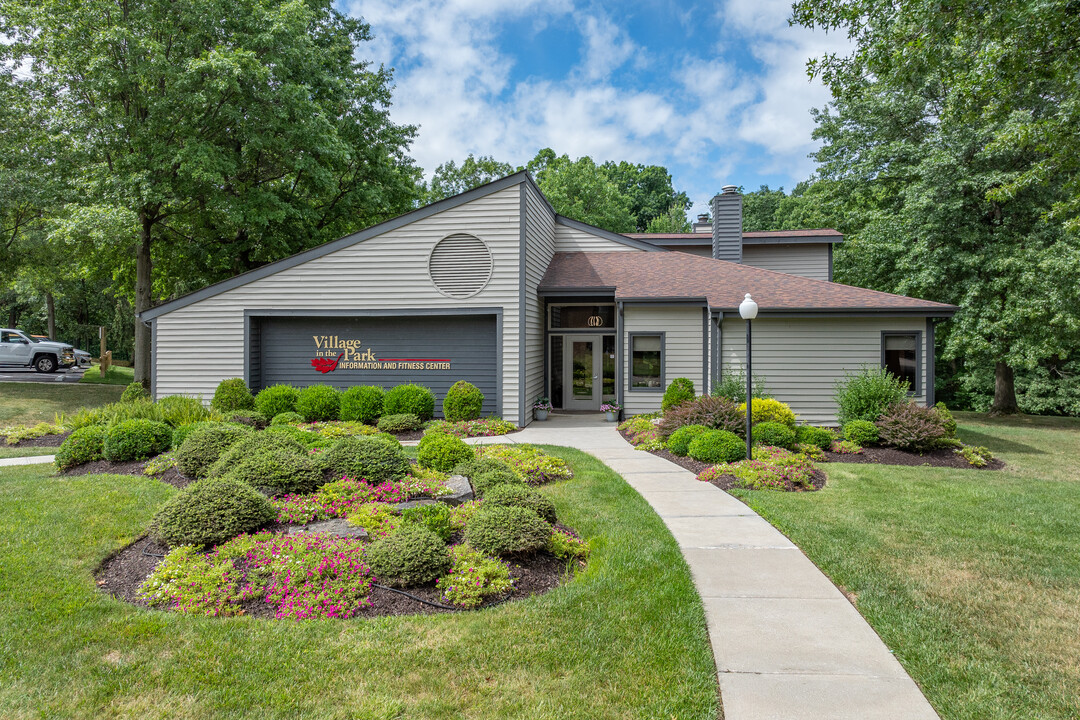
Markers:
336,526
460,490
403,506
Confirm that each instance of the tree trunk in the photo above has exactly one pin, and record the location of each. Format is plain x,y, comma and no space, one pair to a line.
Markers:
50,314
1004,391
143,270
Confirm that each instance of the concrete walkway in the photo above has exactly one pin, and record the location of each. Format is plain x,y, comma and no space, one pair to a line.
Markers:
788,645
28,460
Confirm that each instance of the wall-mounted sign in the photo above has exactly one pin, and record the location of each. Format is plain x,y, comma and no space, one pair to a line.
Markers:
596,321
335,353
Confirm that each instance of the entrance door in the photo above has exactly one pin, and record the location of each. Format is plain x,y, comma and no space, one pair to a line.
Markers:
582,366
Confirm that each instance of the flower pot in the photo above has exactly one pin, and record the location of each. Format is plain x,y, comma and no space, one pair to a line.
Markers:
611,415
540,414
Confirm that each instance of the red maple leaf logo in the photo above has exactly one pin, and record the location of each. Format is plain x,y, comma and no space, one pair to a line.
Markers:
325,365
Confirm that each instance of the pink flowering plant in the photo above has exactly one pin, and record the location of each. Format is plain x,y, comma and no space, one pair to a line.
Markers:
485,427
342,497
846,447
474,578
567,546
300,576
771,468
643,433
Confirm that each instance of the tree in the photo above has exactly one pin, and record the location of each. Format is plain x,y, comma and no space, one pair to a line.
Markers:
673,221
450,179
232,132
581,190
648,190
909,129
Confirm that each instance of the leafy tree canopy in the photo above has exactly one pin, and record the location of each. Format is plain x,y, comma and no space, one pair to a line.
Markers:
452,179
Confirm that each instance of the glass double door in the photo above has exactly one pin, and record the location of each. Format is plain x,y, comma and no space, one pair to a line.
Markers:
589,370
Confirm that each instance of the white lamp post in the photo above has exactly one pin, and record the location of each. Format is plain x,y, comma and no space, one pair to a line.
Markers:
748,311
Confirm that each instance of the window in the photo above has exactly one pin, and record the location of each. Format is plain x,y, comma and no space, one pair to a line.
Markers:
647,362
901,355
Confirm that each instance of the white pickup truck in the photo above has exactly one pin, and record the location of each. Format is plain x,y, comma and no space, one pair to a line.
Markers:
17,349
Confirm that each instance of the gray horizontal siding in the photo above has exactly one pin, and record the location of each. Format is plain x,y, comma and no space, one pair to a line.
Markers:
807,260
801,359
681,325
203,343
568,239
540,248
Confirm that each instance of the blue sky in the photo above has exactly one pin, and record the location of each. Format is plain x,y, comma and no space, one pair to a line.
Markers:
716,92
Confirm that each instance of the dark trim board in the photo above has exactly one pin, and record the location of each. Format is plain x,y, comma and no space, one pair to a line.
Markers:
522,324
705,350
153,359
620,371
931,369
663,360
848,312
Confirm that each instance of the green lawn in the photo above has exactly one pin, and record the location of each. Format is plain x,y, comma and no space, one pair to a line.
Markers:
971,577
625,639
115,375
13,452
31,403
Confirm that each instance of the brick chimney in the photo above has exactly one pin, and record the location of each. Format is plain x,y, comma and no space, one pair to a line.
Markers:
727,225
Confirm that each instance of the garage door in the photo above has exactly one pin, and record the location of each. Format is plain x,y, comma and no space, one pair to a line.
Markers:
434,351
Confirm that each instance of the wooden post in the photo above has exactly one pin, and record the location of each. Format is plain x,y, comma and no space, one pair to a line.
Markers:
103,361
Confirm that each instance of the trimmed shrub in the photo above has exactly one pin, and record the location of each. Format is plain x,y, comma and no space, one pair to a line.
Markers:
411,556
134,391
232,395
474,578
717,446
866,394
276,473
486,473
287,418
509,495
319,402
503,530
136,440
717,413
861,432
410,400
85,445
678,391
774,434
251,418
276,399
362,403
211,512
769,410
182,433
435,517
679,442
368,458
909,426
443,452
948,422
204,446
463,401
400,423
819,437
254,444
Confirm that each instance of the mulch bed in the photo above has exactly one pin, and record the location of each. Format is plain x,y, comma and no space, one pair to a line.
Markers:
944,457
45,441
121,574
107,467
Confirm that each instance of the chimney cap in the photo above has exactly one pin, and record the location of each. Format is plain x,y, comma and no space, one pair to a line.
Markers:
703,218
729,190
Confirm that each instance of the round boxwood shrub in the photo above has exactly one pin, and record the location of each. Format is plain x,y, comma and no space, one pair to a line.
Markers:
211,512
232,395
85,445
305,437
252,444
277,472
511,495
442,452
506,530
362,403
770,410
287,418
717,446
136,440
319,402
276,399
486,473
678,391
412,555
679,442
182,433
861,432
134,391
775,434
404,422
463,401
817,436
362,457
410,399
204,446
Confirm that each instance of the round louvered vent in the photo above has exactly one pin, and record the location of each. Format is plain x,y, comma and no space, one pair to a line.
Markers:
460,265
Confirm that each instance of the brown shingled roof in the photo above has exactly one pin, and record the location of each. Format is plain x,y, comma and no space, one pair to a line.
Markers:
816,232
723,284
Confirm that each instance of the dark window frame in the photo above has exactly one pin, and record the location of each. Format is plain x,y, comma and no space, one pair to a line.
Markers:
916,387
630,361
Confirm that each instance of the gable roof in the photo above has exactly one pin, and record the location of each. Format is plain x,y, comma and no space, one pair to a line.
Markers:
721,284
761,237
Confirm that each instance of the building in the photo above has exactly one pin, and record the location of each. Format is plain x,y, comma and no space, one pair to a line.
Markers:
492,286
